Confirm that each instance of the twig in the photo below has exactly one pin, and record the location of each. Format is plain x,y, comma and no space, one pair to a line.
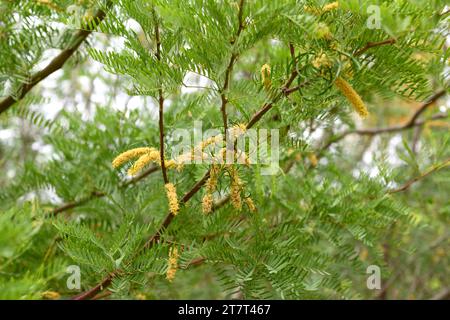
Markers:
229,69
421,176
374,44
160,102
411,123
99,194
54,65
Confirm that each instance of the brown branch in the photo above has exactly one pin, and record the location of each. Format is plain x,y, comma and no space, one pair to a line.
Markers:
54,65
229,69
424,106
161,103
99,194
411,123
94,290
421,176
374,44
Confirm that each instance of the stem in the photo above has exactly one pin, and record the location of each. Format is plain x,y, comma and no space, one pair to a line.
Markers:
374,44
411,123
229,69
161,103
420,177
54,65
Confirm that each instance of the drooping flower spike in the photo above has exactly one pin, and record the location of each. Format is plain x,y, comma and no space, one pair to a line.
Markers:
352,96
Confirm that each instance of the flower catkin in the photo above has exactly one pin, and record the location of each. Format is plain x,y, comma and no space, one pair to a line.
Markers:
265,76
129,155
235,189
172,264
152,156
210,186
250,204
207,203
352,96
171,192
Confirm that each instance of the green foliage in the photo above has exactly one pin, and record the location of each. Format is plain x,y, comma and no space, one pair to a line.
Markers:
321,220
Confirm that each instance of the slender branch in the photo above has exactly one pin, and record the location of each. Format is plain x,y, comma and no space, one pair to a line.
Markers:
98,288
424,106
421,176
374,44
54,65
100,194
229,69
160,102
411,123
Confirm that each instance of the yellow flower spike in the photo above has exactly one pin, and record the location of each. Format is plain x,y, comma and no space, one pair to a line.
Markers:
211,183
265,76
50,295
172,264
171,192
322,31
352,96
330,6
235,192
152,156
207,203
250,204
129,155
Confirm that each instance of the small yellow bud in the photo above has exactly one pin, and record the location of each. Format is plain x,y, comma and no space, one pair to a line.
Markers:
322,31
50,295
141,296
321,60
265,76
352,96
319,11
313,159
330,6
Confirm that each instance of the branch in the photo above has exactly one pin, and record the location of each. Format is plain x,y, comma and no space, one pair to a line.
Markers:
229,69
160,102
421,176
427,104
374,44
411,123
54,65
99,194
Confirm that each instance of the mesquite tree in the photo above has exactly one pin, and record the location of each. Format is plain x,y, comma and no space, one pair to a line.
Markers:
315,146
